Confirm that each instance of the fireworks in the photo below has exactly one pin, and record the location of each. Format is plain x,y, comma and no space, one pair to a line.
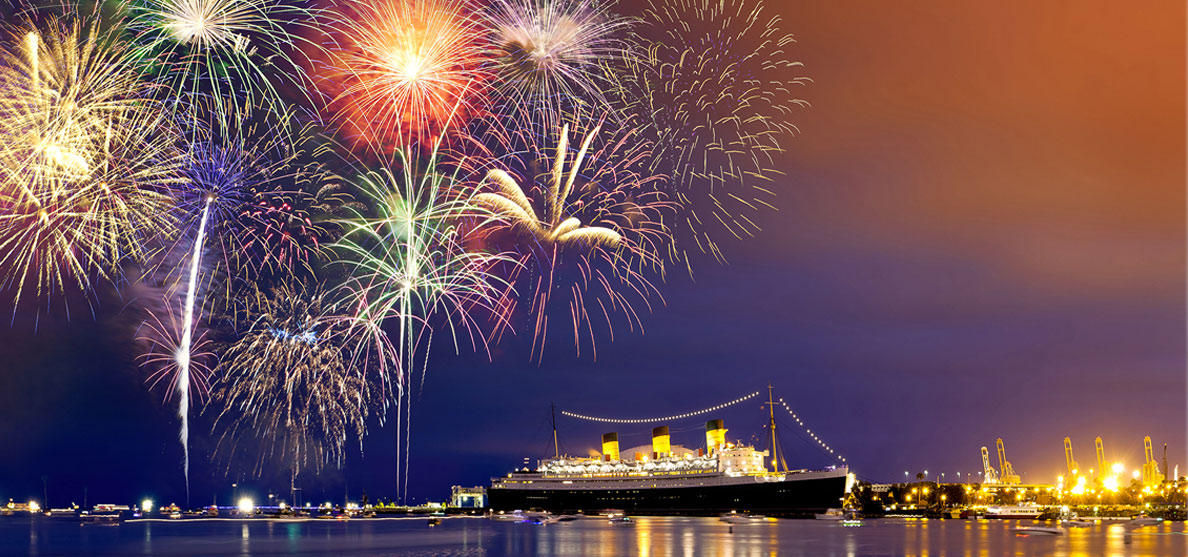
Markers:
601,231
268,201
587,150
221,49
552,54
86,164
289,382
712,89
407,69
180,362
409,264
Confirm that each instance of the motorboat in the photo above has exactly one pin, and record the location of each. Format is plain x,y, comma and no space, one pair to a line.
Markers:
1144,520
741,518
1037,530
831,514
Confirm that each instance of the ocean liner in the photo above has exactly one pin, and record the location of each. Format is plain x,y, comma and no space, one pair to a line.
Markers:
669,479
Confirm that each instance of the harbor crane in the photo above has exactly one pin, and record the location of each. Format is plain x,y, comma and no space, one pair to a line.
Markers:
989,474
1151,475
1102,467
1007,475
1069,461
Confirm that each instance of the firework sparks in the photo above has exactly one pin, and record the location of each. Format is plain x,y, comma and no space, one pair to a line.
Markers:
712,89
269,203
178,361
601,230
86,164
223,49
552,54
409,264
290,382
408,69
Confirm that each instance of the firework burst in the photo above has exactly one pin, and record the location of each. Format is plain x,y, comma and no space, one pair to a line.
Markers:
410,267
408,70
711,88
586,220
290,382
87,161
552,54
236,52
270,201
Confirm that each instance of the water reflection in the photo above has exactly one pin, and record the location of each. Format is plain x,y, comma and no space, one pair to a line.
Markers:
651,537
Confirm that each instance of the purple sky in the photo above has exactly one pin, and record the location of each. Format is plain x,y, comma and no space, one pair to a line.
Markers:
981,234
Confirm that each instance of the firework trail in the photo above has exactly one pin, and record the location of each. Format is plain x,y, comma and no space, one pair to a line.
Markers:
712,89
585,218
87,163
408,70
183,350
292,379
550,56
409,263
171,352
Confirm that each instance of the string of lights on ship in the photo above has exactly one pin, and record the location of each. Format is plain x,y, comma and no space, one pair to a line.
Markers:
804,429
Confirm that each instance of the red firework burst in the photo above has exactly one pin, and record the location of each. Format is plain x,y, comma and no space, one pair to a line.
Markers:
408,69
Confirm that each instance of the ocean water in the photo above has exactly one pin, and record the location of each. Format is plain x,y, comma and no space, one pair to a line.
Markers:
653,537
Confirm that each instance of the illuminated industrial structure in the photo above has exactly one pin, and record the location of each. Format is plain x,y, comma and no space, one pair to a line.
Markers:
1007,475
1069,461
989,474
1102,465
1151,475
468,497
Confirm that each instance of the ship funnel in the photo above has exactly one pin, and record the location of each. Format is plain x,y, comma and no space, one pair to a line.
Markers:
715,436
610,446
660,446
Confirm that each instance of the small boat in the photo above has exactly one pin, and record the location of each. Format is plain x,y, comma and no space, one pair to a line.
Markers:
741,518
851,522
112,519
1037,530
175,515
434,521
509,517
1076,523
622,521
1144,520
831,514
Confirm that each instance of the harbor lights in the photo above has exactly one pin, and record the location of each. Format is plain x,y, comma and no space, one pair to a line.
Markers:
146,506
34,507
246,506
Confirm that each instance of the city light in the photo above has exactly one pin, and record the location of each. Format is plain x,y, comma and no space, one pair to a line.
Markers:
146,505
246,506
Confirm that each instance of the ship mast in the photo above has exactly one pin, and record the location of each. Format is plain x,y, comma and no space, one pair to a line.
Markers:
775,442
553,414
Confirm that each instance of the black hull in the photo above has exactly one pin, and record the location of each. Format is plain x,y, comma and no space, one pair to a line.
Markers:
789,498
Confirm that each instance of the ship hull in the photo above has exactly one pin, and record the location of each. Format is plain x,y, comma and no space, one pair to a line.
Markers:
786,498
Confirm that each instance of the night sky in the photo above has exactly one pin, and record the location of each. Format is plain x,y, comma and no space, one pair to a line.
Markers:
981,234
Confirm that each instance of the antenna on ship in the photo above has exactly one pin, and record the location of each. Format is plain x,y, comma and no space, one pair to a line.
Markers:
776,454
553,414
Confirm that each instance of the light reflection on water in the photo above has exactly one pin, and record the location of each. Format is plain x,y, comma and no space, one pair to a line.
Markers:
651,537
